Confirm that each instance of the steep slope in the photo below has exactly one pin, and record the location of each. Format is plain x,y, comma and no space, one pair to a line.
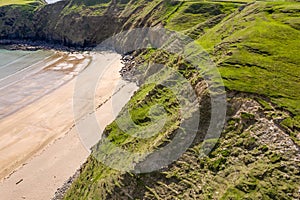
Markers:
257,52
87,23
72,23
255,47
17,19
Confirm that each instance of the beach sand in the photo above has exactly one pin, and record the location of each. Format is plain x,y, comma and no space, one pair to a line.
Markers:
40,147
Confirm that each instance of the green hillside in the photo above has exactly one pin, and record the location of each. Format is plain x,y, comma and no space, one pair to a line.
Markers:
18,2
256,47
257,52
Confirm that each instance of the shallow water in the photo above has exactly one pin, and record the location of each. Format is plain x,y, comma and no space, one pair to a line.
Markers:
12,62
26,76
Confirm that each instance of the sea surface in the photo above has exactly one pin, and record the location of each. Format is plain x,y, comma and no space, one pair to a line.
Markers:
25,77
12,62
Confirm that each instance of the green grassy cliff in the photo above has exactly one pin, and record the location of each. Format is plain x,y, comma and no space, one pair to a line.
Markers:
256,47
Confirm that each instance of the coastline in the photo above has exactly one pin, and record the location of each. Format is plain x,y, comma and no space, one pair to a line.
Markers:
48,135
29,45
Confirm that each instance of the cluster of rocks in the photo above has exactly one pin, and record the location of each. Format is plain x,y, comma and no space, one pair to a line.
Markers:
60,192
29,45
23,47
128,70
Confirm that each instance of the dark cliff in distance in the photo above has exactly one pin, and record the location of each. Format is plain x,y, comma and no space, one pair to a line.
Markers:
56,23
75,23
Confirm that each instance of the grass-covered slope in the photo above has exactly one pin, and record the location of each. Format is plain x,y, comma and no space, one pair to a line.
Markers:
252,160
103,178
256,48
257,51
19,2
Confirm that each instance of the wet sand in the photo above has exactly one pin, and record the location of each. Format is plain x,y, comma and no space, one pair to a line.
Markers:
40,147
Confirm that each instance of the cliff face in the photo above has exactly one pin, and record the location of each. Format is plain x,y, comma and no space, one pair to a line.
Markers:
17,22
56,23
70,23
62,23
87,23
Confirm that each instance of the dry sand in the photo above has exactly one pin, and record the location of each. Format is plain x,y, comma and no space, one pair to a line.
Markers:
40,142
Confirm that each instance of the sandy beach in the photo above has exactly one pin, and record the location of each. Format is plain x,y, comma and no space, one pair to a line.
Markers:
40,147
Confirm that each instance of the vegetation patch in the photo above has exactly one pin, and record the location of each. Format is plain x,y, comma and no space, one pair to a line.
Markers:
253,159
20,2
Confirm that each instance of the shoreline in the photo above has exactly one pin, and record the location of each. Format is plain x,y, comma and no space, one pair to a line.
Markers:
59,156
29,45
